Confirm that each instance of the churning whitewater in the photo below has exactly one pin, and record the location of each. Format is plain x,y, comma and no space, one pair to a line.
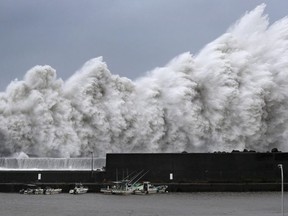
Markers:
232,95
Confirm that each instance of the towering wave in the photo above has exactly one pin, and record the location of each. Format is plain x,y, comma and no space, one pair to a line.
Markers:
232,95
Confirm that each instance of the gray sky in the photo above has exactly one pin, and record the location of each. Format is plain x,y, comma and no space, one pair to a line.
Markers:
133,36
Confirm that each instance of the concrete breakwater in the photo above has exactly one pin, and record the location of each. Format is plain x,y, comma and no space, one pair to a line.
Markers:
182,172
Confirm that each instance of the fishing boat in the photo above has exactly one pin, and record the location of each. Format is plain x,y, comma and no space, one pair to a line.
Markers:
32,189
107,190
123,188
126,186
162,188
78,189
148,188
49,190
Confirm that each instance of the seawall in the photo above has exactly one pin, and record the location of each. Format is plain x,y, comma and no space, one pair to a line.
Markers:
182,172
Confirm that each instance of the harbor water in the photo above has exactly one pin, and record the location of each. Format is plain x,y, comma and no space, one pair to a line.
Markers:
169,204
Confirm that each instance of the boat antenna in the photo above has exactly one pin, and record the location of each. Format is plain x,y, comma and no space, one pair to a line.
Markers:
140,177
134,177
128,175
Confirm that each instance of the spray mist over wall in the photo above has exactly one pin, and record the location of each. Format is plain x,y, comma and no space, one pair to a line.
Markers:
232,95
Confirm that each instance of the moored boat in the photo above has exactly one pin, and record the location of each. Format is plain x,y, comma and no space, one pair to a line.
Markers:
32,189
49,190
148,188
125,186
162,188
78,189
122,188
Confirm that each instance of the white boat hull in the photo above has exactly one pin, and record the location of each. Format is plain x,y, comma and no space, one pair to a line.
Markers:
79,190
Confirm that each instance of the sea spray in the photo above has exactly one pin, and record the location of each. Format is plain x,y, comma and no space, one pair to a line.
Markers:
232,95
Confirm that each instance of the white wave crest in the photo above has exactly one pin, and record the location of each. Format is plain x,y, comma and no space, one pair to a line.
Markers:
232,95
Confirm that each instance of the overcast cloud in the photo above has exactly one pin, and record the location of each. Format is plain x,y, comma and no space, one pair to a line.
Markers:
132,36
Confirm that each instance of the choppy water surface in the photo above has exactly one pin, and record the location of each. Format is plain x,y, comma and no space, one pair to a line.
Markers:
260,204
